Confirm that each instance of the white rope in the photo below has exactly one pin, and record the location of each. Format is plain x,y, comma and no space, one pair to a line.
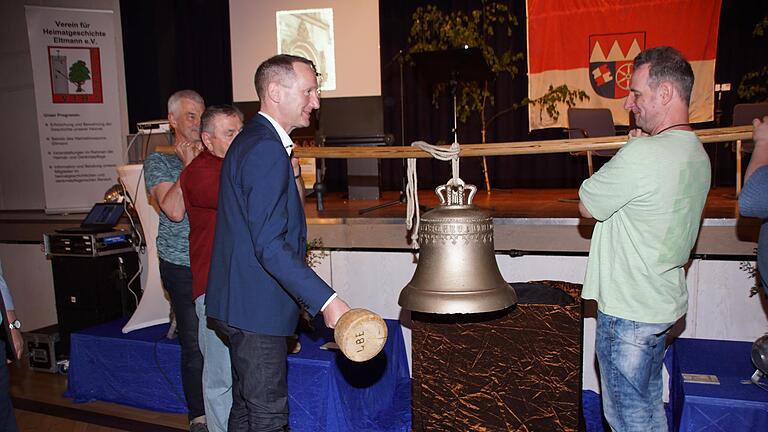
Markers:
412,188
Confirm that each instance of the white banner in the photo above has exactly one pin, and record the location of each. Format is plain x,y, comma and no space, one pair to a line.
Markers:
74,67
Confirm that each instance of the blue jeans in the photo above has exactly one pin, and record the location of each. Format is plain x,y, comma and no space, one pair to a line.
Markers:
177,280
631,355
217,372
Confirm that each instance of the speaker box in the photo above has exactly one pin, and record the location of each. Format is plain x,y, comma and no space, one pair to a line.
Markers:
43,347
93,290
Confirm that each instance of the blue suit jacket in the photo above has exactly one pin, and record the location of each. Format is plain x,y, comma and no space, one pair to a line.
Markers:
258,275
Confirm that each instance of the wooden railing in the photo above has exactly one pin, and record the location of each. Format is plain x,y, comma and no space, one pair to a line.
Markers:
503,148
511,148
715,135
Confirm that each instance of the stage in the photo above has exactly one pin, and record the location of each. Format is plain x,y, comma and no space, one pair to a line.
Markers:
529,220
327,392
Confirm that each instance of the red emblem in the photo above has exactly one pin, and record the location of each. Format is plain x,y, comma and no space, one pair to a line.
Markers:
610,62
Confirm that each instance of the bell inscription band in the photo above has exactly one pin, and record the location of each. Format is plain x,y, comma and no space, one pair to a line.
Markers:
457,271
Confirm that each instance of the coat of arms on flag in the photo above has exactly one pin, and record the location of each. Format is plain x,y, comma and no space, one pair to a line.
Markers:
589,45
610,62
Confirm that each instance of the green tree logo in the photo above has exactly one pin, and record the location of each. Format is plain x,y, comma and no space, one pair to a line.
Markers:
79,74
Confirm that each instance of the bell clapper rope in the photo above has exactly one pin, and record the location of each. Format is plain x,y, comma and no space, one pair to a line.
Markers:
412,189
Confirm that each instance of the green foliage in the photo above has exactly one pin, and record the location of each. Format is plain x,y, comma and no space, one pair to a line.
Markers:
316,253
554,96
79,74
760,27
754,274
753,86
435,30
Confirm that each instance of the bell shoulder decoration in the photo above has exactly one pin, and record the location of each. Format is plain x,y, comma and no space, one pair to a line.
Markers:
457,271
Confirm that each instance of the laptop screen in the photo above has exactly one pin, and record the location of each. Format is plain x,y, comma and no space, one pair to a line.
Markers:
103,215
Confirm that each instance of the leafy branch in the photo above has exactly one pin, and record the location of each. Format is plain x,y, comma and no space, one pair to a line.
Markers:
753,86
316,253
435,30
554,96
760,27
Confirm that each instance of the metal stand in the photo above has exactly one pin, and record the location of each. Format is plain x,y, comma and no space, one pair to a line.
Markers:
403,179
453,66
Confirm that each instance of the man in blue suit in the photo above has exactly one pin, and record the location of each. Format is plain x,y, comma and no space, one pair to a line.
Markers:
258,277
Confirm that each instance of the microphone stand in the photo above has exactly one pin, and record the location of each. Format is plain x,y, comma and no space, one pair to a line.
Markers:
400,57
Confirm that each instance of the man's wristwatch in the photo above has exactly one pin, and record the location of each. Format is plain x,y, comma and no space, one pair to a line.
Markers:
15,324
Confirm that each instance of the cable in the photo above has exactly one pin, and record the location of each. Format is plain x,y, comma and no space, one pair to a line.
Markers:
130,144
137,244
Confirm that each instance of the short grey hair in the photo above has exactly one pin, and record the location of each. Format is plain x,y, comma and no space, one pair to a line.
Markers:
667,63
175,99
213,111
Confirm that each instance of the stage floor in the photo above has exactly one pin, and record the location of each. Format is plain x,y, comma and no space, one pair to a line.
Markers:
501,203
544,221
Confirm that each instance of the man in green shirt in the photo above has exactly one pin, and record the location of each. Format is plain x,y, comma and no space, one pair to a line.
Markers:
647,201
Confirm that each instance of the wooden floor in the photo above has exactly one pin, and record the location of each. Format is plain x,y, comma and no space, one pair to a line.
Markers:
41,407
514,203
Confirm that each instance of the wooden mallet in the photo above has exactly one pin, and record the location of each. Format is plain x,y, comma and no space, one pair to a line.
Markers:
360,334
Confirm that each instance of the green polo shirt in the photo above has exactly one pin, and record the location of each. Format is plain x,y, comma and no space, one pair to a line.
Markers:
647,201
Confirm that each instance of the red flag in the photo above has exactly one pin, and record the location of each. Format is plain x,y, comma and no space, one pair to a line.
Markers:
589,45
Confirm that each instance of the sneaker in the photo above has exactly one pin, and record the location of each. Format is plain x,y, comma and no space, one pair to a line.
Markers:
198,427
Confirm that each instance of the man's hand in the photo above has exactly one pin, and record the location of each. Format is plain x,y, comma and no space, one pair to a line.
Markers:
636,133
584,212
298,180
760,154
16,338
760,132
295,165
335,309
18,342
187,151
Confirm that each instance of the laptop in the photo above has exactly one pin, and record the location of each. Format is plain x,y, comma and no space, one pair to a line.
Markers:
102,218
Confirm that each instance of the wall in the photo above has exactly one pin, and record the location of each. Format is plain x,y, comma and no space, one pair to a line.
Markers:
21,175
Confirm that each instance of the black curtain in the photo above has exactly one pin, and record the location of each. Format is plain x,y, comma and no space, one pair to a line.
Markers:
172,45
738,52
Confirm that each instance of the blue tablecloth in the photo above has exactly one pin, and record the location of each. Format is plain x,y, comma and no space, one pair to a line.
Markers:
732,405
327,392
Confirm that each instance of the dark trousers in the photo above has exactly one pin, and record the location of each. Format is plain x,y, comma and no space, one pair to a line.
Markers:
177,280
259,385
7,415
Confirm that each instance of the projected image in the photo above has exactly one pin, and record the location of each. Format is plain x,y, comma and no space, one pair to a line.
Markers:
309,33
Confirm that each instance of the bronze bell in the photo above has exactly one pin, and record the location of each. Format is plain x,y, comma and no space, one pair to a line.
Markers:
457,271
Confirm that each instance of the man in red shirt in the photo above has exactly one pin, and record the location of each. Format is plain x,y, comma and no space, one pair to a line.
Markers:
219,125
